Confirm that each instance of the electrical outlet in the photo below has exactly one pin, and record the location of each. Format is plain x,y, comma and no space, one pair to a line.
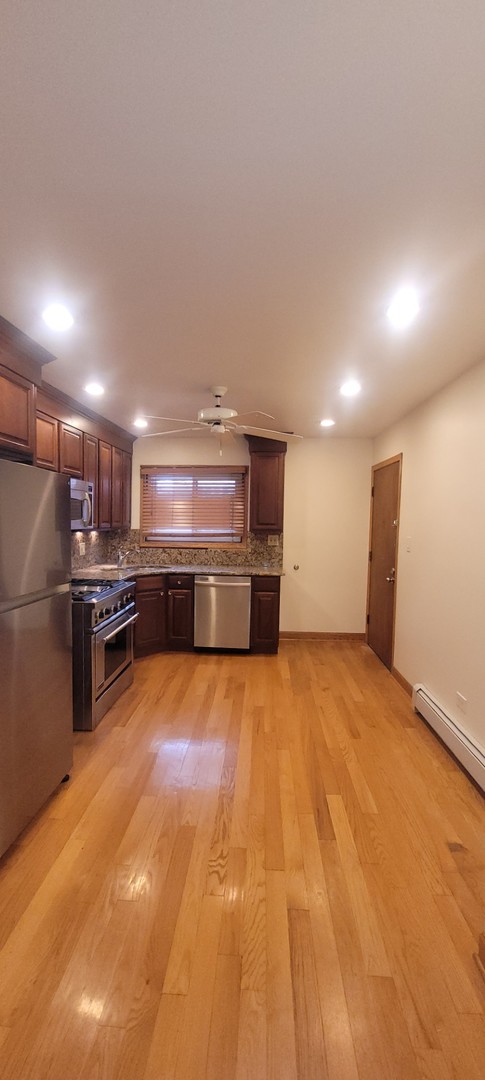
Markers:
82,548
273,540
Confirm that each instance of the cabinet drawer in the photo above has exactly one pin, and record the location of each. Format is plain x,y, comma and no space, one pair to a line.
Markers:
265,584
150,583
180,581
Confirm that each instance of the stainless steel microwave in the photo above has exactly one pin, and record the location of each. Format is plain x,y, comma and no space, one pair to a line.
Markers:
81,504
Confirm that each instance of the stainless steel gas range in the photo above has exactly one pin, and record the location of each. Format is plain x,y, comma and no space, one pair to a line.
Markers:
103,619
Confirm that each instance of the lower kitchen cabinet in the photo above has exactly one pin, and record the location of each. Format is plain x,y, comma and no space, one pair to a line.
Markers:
265,614
150,627
165,606
180,611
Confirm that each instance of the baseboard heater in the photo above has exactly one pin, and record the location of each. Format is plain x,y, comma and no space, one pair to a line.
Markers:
469,753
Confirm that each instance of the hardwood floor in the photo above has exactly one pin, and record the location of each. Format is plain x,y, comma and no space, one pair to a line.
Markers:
262,867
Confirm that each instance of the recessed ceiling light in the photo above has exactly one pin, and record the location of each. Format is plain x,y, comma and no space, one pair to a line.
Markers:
350,388
327,423
403,307
140,422
57,317
94,388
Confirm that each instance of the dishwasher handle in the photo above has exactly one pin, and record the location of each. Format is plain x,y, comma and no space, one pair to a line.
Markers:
225,584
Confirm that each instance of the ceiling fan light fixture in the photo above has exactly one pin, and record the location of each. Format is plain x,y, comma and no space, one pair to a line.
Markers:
327,422
140,422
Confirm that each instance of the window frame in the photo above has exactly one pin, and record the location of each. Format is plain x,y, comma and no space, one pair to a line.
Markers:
201,471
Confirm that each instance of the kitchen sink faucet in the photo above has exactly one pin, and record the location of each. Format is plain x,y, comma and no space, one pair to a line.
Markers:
122,555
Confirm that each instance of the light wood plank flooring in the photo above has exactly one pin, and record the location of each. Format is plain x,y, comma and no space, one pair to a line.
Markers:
262,867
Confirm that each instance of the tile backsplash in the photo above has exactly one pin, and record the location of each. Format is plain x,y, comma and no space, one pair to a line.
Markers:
104,547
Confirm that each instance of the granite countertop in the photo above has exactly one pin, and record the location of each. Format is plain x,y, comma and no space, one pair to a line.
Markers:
111,572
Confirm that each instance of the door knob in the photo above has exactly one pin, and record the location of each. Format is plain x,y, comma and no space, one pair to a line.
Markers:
391,577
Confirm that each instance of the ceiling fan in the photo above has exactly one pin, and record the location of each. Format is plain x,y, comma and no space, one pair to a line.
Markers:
220,421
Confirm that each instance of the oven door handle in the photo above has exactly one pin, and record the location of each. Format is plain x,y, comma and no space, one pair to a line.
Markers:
122,627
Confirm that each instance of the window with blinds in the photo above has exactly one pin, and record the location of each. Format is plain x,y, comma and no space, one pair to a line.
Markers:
195,505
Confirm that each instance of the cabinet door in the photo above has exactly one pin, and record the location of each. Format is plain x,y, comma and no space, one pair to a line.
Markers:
46,442
265,614
17,426
70,451
266,492
150,628
91,470
104,486
126,490
180,612
116,487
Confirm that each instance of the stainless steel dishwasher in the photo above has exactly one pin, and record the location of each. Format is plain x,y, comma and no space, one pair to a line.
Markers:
222,609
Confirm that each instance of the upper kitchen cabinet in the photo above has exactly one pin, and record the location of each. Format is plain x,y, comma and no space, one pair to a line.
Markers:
104,495
21,362
126,490
114,487
266,484
16,415
71,451
46,441
90,448
91,457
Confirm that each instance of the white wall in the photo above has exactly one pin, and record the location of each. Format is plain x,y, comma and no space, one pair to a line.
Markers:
326,532
440,600
182,451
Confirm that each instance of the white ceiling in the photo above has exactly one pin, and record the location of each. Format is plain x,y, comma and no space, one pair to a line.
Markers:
231,192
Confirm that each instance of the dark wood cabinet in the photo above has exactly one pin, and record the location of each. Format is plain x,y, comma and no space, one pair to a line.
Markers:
70,451
91,455
165,604
116,487
150,627
180,611
104,485
17,415
126,490
265,614
266,484
46,442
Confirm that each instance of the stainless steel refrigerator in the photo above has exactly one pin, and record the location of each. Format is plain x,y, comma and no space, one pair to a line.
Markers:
35,642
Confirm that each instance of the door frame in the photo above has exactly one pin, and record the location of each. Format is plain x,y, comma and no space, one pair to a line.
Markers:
381,465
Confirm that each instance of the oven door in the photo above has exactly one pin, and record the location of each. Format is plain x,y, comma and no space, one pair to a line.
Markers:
112,649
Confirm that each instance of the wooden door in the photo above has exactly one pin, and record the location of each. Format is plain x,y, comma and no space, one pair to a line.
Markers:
386,490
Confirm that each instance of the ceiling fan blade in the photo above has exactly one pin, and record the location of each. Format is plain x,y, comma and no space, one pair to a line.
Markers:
255,412
173,431
171,419
265,433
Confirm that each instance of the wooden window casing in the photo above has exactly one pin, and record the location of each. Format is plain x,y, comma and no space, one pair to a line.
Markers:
193,506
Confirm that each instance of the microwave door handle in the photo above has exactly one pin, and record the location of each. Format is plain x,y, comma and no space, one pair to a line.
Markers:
122,627
87,520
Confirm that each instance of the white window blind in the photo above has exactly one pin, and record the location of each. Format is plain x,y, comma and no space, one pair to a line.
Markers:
193,505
